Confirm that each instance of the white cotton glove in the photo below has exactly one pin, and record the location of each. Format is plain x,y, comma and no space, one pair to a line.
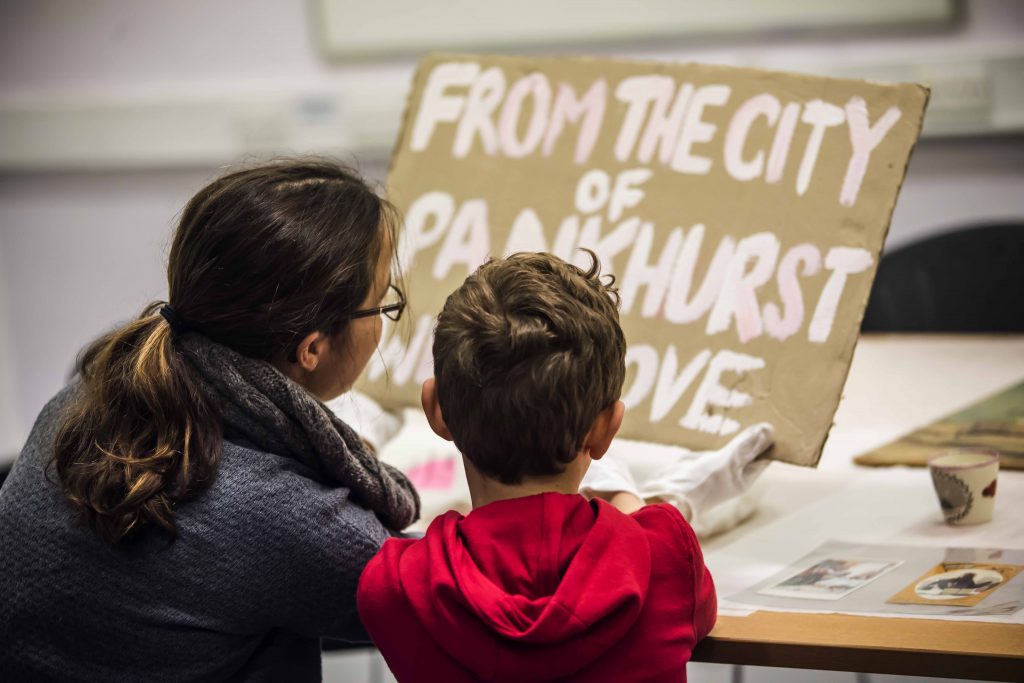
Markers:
697,481
729,514
608,475
372,423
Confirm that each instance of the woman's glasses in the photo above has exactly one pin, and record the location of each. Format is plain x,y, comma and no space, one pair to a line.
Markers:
392,310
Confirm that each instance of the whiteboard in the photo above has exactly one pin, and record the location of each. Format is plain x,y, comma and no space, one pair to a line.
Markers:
353,29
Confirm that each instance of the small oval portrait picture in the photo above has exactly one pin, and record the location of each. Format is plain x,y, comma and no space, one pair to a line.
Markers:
962,583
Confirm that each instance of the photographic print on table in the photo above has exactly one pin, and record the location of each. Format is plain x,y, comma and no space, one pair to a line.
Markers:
830,579
956,583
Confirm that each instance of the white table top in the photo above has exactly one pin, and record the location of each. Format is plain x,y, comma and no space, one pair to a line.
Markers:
900,382
896,383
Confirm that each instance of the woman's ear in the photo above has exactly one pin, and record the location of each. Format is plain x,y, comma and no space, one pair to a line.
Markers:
432,409
310,351
603,430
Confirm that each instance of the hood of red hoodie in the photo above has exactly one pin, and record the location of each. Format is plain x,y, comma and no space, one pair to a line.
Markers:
531,588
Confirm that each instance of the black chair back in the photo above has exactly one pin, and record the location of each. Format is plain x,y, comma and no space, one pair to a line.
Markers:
968,280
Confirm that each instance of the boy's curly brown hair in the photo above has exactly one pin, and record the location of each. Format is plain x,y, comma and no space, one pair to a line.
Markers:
527,352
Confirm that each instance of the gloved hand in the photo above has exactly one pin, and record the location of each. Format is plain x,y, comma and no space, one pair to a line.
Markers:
375,425
608,475
697,481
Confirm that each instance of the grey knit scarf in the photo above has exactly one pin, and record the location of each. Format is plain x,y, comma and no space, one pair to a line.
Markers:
272,413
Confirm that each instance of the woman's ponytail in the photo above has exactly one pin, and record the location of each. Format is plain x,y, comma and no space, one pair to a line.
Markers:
140,436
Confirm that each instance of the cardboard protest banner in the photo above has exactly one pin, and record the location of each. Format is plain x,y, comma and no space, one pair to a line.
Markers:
742,212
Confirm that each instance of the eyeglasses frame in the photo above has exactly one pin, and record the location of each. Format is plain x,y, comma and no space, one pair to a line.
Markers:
396,308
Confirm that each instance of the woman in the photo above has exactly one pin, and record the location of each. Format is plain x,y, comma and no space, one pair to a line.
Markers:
188,509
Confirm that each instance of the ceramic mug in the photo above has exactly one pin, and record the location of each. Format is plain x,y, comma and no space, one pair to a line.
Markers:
965,481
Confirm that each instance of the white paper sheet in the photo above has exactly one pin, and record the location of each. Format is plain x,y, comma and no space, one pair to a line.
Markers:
869,597
891,506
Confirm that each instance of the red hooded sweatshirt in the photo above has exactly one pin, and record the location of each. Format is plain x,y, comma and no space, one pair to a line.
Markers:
550,587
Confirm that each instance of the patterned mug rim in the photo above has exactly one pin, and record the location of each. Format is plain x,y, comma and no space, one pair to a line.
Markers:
993,458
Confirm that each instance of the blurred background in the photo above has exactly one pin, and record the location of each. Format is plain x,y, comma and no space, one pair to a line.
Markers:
114,112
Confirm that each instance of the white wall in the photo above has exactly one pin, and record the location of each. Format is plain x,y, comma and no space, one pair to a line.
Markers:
113,45
81,251
955,183
77,253
11,428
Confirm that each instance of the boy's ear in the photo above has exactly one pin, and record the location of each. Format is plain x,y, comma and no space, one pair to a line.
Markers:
604,429
432,409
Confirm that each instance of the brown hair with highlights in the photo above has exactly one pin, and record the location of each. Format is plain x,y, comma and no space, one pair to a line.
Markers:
261,258
527,352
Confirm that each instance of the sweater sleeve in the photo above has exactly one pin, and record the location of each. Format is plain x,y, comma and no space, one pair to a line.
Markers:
298,550
327,560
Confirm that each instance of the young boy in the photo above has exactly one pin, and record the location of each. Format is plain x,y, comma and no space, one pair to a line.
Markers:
537,583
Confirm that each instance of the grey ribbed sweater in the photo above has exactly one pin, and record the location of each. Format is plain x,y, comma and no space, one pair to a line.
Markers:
267,561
